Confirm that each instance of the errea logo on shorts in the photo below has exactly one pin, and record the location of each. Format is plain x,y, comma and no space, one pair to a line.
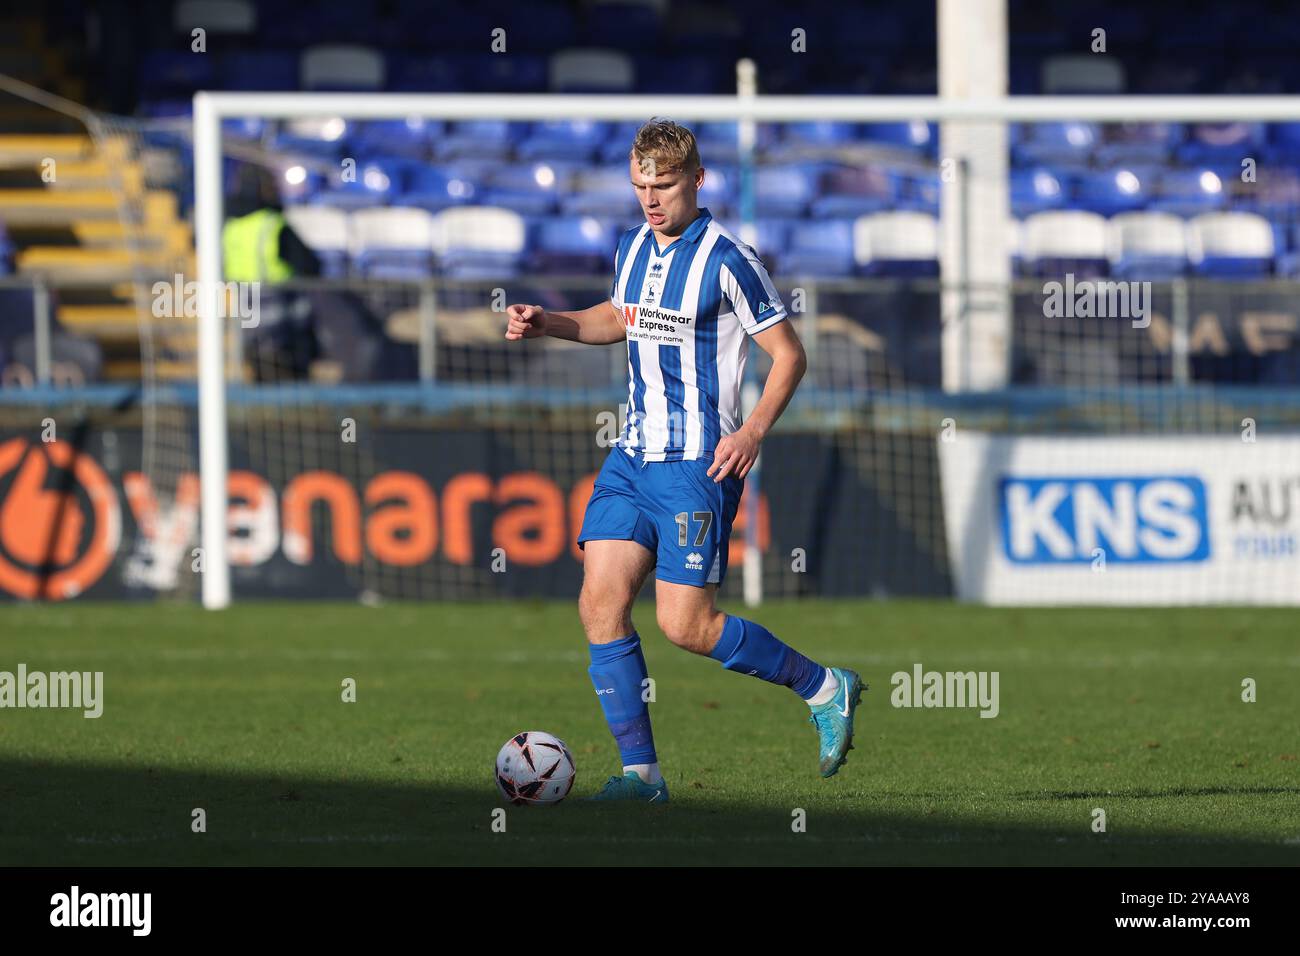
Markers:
695,561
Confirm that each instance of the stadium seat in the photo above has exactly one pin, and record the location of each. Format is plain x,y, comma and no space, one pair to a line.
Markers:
721,189
437,187
820,249
326,230
231,17
571,245
477,139
1082,73
530,190
1221,143
850,191
1113,190
417,73
321,137
896,244
1065,241
613,150
405,138
341,67
1230,245
564,139
1035,190
623,24
174,73
392,243
604,193
1138,143
1056,144
591,71
811,137
1147,245
258,70
915,136
375,183
1186,192
479,242
785,191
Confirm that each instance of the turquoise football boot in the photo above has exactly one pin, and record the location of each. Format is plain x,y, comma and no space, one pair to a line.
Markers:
632,787
834,721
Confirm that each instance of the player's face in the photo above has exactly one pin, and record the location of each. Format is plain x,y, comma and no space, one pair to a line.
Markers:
668,199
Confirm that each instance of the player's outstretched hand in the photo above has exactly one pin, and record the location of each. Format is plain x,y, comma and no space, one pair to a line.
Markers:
525,322
735,454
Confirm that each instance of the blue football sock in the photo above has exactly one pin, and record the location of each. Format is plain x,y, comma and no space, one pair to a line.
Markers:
752,649
618,670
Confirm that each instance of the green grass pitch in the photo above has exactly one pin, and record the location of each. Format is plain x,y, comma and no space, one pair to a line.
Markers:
240,713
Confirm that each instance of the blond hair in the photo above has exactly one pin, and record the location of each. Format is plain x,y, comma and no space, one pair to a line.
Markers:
665,147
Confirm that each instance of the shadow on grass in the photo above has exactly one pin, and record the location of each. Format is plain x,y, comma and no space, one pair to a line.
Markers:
54,814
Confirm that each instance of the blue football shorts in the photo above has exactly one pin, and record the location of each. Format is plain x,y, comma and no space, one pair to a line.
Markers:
672,508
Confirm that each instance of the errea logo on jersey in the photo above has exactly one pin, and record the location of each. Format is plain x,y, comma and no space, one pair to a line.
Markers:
695,561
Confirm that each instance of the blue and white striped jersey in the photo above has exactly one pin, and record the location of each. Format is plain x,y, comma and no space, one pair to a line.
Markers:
687,310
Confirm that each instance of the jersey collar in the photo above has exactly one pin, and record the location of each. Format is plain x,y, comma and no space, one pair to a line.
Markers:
691,233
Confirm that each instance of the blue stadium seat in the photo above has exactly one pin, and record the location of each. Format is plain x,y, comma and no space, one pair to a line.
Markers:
1221,143
258,70
613,149
721,189
169,73
406,138
689,74
420,73
321,138
1113,190
820,249
785,191
1056,144
572,244
1138,143
516,73
623,25
435,188
1186,192
1035,190
851,191
530,190
376,182
603,193
916,136
564,139
491,139
801,138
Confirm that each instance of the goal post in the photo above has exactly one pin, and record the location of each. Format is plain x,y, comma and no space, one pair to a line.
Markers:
211,108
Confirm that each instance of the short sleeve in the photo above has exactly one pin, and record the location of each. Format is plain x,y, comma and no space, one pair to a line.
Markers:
749,289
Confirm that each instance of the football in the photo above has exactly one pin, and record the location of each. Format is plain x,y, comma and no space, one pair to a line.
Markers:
534,768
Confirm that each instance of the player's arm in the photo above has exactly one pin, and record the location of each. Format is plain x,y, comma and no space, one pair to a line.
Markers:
737,452
599,325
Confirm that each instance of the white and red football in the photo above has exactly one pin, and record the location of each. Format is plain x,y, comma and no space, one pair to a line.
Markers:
535,768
